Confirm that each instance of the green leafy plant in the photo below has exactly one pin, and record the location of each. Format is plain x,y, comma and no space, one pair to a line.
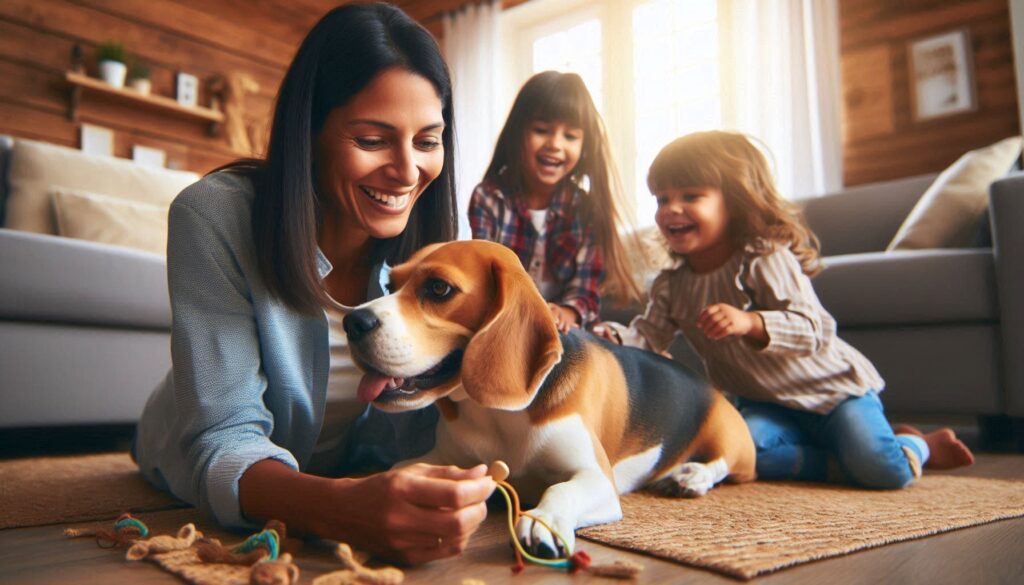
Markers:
110,51
138,70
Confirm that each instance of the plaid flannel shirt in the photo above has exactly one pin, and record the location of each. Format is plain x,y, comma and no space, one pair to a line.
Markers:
571,257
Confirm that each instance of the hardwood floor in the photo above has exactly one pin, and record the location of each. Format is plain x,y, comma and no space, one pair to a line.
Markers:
980,555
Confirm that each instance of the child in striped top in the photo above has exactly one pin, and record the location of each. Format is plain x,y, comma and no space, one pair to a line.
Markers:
742,296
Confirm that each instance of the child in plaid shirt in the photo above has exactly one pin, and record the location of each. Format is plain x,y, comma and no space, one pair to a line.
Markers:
548,194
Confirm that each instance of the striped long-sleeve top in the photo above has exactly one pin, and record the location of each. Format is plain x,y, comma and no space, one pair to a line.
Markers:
804,366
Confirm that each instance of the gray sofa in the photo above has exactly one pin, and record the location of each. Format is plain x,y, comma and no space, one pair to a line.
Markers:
84,328
945,327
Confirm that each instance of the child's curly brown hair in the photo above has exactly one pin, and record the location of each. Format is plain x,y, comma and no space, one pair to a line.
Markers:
730,162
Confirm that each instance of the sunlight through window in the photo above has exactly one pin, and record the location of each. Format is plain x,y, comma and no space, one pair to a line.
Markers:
676,65
577,49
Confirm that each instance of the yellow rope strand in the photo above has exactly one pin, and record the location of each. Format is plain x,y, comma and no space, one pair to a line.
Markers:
514,513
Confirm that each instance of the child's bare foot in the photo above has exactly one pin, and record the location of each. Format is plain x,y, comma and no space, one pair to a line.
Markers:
947,451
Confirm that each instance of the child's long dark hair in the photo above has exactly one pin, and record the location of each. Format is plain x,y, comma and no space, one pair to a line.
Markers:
731,163
553,96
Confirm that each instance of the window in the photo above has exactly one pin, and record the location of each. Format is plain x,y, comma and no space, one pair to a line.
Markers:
652,67
577,49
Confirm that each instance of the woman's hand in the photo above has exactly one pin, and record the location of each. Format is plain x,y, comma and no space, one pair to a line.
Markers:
410,515
722,320
565,318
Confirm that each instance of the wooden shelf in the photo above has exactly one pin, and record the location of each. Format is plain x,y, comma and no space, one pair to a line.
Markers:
79,81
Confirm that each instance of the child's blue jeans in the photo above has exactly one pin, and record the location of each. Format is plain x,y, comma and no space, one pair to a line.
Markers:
800,445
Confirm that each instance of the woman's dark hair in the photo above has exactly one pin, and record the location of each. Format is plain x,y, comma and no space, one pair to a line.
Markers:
552,96
339,57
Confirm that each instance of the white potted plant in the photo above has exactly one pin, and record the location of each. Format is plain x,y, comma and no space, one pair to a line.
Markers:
138,77
110,57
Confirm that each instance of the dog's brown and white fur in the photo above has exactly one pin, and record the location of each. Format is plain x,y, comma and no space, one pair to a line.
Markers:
578,420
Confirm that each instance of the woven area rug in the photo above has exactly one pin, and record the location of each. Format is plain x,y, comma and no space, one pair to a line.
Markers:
51,490
756,528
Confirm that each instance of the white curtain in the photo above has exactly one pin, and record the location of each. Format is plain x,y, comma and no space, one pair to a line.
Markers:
472,47
781,85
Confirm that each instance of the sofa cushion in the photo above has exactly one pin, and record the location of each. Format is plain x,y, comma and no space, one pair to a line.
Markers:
109,220
948,213
52,279
912,287
36,167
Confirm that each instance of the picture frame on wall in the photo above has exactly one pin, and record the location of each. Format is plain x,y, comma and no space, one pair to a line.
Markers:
148,156
942,75
187,89
96,140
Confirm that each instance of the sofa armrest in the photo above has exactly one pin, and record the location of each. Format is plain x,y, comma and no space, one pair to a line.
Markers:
46,278
1006,214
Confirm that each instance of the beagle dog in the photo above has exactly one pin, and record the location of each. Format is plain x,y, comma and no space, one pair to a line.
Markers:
579,420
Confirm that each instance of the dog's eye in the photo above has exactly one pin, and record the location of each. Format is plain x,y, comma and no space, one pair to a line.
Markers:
390,287
437,289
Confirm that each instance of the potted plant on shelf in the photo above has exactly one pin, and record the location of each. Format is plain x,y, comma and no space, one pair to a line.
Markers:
111,61
138,77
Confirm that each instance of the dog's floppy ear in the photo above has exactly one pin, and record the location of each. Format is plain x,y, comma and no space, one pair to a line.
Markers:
507,360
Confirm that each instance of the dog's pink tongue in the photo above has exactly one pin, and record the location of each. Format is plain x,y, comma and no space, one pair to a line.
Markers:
372,385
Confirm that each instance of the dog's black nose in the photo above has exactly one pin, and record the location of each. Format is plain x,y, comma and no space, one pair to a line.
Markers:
359,322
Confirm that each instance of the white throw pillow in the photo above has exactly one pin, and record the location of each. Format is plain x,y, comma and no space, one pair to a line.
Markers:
111,220
36,166
948,213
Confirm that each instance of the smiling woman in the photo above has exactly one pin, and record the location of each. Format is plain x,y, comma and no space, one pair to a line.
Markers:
264,257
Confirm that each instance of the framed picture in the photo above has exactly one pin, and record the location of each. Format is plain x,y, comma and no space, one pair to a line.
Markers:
942,75
187,92
148,157
97,140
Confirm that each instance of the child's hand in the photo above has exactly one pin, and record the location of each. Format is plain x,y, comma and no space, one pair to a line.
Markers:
603,331
565,318
723,320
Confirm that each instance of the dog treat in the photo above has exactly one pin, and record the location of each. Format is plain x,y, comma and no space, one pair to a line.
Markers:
280,572
210,550
498,470
164,543
355,573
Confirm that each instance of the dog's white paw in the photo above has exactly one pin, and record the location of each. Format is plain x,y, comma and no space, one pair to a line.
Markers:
690,480
539,541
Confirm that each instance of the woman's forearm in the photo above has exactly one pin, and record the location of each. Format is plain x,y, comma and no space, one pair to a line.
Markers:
272,490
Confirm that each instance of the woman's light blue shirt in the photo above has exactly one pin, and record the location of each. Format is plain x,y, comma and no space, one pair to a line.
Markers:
249,374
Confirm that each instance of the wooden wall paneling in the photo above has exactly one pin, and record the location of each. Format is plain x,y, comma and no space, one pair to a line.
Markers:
285,20
33,87
916,147
155,46
901,20
24,121
24,44
183,19
867,93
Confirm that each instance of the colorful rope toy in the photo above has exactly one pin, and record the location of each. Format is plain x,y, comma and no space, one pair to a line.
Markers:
574,561
268,539
127,529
